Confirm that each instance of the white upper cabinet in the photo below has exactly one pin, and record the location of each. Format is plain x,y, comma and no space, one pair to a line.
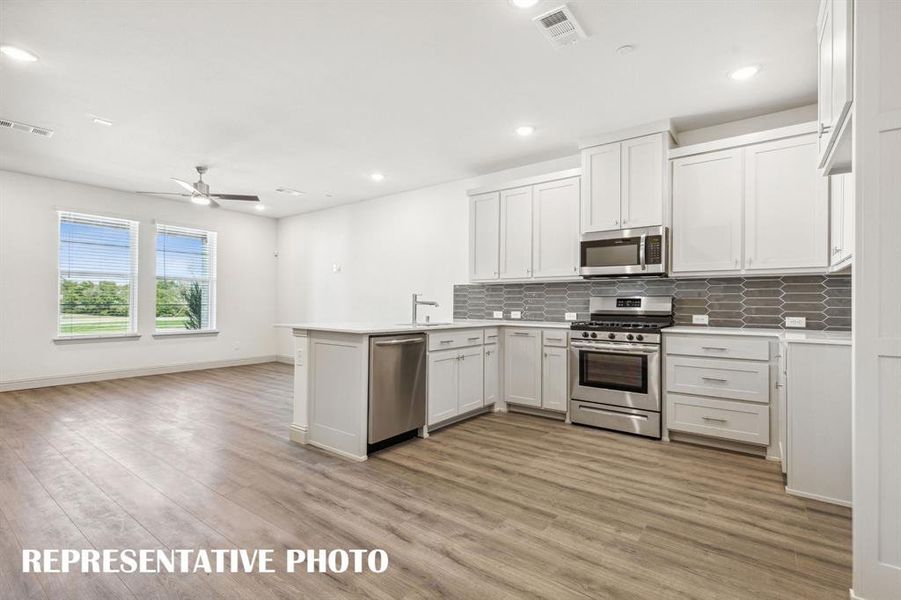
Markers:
516,233
841,201
526,231
601,188
786,206
484,231
555,217
643,166
622,184
707,207
834,82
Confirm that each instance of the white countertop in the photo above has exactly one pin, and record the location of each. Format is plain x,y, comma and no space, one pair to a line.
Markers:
362,328
802,336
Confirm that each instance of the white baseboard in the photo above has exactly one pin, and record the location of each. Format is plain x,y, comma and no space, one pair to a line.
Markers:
298,434
39,382
285,358
792,492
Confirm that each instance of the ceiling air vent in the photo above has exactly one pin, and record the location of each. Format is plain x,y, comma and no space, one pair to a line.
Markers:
560,27
41,131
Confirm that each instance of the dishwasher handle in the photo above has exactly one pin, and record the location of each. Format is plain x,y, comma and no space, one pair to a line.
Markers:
396,342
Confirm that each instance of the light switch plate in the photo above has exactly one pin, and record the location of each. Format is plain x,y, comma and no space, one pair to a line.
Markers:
700,319
515,314
796,322
498,314
570,316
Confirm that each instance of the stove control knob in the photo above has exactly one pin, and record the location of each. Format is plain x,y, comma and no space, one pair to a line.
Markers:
639,337
584,334
594,335
612,336
630,337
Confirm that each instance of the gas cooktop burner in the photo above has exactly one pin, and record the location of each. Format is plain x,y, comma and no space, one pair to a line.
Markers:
615,326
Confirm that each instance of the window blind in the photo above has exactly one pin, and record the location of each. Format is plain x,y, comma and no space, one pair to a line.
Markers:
98,267
185,278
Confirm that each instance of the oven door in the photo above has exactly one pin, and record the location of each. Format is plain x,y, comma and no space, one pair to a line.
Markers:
626,375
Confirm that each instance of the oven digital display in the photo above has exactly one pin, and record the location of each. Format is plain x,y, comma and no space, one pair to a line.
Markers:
628,303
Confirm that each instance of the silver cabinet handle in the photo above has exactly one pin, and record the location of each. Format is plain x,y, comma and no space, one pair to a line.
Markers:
823,129
713,348
545,354
487,352
395,342
616,222
836,250
473,339
714,419
521,333
445,341
720,379
736,264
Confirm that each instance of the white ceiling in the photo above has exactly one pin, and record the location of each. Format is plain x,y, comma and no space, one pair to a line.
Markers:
317,95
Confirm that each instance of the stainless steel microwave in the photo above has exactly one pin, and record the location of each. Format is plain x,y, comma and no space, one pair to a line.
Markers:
639,251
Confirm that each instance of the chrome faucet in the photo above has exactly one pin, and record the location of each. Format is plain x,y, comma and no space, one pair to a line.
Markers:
417,303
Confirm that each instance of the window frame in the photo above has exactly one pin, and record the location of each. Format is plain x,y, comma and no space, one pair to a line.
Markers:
133,276
211,280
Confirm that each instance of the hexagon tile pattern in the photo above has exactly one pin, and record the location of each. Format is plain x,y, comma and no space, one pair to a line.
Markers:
825,301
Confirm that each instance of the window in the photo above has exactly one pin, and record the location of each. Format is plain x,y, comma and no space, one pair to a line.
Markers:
98,266
185,279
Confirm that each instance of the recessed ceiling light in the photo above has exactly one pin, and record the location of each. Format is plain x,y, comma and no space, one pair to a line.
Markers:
18,53
744,73
291,191
525,130
201,200
260,207
627,49
523,3
101,121
377,177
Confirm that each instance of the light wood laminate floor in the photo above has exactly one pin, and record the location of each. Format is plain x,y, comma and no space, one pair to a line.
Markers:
501,506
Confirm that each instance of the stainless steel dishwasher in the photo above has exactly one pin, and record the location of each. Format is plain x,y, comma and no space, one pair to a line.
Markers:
397,386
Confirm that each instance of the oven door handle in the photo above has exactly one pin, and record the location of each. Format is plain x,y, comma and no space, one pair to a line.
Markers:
618,349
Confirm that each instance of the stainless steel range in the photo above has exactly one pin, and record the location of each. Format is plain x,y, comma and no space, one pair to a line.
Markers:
615,367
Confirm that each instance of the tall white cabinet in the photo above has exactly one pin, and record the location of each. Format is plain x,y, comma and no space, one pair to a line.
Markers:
835,84
526,231
623,183
743,206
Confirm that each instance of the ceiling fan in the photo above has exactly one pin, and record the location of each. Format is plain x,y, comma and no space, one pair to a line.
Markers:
199,192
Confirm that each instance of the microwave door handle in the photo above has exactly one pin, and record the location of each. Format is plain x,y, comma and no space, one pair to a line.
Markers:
641,256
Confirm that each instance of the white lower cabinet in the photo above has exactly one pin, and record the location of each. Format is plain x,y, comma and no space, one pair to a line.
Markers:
472,377
522,367
492,374
818,430
554,378
444,385
737,421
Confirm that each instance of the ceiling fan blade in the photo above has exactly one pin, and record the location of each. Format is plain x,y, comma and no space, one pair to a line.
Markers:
164,193
185,185
213,203
236,197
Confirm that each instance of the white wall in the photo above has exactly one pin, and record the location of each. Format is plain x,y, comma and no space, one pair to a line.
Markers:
387,248
28,284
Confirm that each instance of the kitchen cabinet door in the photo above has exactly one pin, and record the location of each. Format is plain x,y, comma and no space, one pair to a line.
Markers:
484,243
522,366
554,378
472,378
516,233
492,374
786,206
555,218
841,202
824,72
707,212
642,181
444,386
601,188
835,75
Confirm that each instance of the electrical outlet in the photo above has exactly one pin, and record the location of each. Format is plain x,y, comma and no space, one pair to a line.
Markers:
498,314
796,322
700,319
569,316
515,314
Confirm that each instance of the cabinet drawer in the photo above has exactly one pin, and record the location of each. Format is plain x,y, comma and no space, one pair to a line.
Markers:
492,335
718,346
727,419
736,379
442,340
554,337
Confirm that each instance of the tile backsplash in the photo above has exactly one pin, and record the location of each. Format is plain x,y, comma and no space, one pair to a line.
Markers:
825,301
